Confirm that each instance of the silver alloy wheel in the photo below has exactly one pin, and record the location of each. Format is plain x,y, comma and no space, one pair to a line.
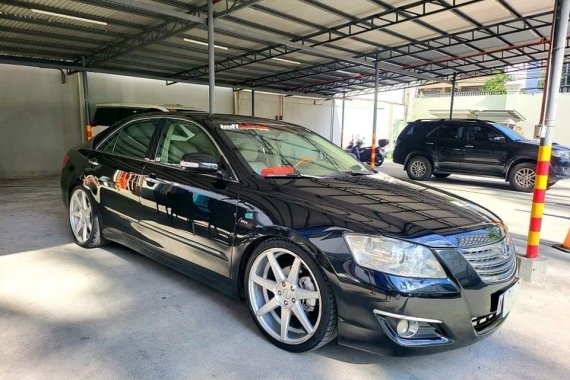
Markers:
80,215
418,168
525,177
292,290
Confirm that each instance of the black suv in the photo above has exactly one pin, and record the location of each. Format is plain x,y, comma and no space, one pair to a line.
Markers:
446,146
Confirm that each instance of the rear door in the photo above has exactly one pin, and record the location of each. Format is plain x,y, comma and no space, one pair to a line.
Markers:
486,150
116,167
449,145
185,215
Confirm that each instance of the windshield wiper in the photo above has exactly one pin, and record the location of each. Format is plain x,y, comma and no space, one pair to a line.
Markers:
355,173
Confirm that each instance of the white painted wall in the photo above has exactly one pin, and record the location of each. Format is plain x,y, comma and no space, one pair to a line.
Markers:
316,114
39,120
526,104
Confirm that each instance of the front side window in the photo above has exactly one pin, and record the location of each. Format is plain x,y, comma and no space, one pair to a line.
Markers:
278,149
182,137
484,134
132,140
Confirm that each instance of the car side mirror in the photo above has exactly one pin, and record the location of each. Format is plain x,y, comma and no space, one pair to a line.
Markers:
199,162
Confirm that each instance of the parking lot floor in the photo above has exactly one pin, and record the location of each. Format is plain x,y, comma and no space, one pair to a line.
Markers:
110,313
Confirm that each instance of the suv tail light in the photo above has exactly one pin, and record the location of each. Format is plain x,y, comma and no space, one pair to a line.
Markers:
65,161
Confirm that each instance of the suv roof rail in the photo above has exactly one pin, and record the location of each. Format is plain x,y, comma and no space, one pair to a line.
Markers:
455,119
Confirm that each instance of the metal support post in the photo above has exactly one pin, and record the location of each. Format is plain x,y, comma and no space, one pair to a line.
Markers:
86,112
375,116
558,41
333,106
453,82
342,121
211,59
252,102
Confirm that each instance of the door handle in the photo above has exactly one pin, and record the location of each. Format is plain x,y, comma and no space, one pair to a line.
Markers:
93,162
469,146
429,143
151,179
457,149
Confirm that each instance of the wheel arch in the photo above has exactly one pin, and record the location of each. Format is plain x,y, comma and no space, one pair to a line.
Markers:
516,161
416,153
280,234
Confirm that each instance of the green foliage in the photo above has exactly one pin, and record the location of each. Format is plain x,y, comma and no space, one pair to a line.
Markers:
496,83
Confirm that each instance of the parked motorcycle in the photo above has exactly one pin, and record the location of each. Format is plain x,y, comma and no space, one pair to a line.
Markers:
363,153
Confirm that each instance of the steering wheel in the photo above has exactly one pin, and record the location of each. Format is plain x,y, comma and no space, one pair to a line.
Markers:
303,161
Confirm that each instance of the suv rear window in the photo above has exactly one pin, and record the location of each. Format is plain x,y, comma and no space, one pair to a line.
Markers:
110,115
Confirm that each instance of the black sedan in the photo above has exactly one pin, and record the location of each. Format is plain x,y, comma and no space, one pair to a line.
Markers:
319,246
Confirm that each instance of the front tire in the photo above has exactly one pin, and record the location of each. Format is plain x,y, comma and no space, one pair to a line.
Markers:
83,219
419,168
522,177
289,297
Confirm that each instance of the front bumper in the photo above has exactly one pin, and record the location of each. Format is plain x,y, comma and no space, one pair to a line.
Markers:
453,312
559,168
365,314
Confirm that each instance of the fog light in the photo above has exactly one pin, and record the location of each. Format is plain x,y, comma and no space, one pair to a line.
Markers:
407,329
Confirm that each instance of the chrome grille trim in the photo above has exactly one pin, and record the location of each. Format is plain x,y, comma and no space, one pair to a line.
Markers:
493,262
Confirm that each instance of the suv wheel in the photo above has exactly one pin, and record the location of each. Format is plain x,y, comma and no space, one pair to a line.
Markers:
419,168
522,177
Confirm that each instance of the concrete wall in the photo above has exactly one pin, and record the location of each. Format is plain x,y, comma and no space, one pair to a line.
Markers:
527,104
40,117
316,114
105,88
39,120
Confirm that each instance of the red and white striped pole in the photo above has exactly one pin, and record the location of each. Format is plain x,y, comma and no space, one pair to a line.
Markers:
550,100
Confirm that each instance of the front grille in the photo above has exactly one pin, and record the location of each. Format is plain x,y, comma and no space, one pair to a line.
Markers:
493,262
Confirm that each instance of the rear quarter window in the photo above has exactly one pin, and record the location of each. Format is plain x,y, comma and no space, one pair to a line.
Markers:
105,116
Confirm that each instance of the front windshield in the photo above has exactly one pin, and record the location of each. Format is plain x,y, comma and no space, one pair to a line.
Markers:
510,132
282,150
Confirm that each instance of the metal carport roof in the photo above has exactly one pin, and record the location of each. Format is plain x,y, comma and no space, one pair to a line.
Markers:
307,47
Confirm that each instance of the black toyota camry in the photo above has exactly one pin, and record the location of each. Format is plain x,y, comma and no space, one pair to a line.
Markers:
318,245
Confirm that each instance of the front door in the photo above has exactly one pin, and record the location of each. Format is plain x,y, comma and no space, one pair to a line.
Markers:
115,173
485,150
187,215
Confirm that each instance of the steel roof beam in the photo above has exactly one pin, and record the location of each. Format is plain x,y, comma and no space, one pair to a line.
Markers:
177,22
452,64
73,66
449,40
377,21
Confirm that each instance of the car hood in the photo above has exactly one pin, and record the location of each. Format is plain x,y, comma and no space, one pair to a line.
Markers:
382,204
533,144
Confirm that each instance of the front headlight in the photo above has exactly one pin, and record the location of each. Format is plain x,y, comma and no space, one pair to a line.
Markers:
561,154
394,256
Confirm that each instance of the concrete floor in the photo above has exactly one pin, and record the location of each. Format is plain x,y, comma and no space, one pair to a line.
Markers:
68,312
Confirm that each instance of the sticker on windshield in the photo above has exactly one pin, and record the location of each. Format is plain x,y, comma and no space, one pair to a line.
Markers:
229,126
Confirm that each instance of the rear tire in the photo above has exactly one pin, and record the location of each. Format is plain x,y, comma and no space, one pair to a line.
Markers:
522,177
289,297
419,168
84,220
441,175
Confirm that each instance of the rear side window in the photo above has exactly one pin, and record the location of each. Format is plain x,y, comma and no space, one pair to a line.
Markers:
449,132
132,140
110,115
105,116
